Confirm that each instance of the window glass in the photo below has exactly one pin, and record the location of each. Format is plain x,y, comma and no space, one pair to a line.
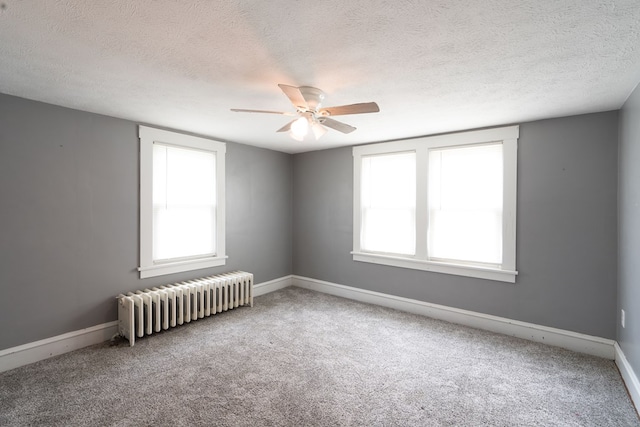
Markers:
184,202
389,203
465,204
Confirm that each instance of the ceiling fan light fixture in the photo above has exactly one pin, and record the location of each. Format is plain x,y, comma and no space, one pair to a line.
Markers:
307,101
299,128
318,130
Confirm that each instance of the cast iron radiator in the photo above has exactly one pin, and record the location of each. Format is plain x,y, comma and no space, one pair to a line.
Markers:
147,311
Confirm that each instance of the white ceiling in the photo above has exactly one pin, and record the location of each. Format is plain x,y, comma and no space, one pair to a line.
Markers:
432,66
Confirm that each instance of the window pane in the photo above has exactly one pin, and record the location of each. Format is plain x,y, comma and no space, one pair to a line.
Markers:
184,202
388,216
465,204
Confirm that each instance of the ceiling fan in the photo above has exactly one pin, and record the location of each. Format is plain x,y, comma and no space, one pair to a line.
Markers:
308,101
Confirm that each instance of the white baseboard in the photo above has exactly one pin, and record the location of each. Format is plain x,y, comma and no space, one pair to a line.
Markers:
272,285
629,376
39,350
581,343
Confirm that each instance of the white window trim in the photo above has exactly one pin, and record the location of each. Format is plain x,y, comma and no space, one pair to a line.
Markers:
508,136
147,137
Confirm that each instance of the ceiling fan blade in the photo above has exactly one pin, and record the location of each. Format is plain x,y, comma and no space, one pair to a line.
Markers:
287,127
295,96
318,130
339,126
241,110
342,110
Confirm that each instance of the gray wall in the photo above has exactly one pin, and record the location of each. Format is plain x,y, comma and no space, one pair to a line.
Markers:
567,225
69,216
629,230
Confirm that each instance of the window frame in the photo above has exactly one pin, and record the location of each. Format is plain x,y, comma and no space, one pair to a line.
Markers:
148,136
508,137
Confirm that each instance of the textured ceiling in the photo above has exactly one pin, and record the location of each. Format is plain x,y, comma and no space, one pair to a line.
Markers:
432,66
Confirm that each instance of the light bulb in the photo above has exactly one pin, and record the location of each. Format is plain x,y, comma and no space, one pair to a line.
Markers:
299,128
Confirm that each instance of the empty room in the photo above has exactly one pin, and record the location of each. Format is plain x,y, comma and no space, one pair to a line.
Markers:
329,213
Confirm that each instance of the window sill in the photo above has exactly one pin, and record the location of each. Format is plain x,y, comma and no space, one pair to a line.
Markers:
178,267
438,267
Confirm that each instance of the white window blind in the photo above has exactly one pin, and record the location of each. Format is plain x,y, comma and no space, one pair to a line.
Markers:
184,203
465,197
389,203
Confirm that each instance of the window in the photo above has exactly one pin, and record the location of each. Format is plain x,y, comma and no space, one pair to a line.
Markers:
182,213
444,203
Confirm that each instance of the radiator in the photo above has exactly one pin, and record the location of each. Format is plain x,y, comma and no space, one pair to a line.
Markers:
147,311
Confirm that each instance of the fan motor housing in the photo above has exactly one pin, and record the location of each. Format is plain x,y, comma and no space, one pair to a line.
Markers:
313,96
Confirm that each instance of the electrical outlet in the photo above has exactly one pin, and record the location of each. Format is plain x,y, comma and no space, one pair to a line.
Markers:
622,317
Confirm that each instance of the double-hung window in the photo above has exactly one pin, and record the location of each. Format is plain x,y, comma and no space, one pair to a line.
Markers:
444,203
182,214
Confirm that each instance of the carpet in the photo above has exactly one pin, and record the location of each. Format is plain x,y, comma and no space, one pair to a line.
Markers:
302,358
